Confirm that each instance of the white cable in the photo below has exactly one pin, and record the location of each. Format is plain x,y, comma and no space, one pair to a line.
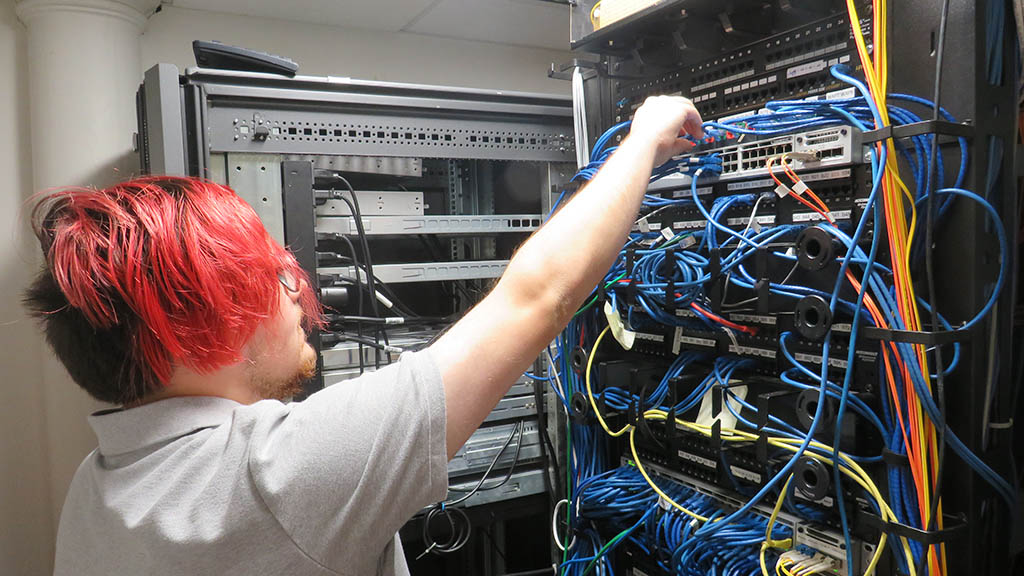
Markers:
732,337
554,526
558,381
554,523
384,300
579,118
753,215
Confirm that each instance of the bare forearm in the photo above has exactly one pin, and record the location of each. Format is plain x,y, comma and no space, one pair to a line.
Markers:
486,351
546,280
574,250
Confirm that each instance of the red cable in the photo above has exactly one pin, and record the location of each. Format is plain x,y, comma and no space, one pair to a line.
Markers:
745,329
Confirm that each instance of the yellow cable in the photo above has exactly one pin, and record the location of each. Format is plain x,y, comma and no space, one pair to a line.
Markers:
854,471
594,15
901,239
788,542
590,393
764,568
658,491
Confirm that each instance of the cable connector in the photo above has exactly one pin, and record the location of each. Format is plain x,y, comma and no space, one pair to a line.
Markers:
803,156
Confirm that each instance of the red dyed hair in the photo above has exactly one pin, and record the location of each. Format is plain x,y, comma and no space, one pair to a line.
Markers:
185,263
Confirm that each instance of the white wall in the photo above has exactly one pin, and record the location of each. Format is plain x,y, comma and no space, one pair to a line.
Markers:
26,527
331,51
37,423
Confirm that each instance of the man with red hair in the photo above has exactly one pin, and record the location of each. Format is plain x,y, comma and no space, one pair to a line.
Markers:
167,296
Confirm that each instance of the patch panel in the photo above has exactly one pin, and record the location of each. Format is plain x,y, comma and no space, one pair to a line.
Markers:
821,538
788,65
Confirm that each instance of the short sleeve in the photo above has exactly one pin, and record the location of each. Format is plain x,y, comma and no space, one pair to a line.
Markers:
345,468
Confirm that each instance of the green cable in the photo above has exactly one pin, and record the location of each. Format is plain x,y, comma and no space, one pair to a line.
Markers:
674,240
604,549
568,469
594,299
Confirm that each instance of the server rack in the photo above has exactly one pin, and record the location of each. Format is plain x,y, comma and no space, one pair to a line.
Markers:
449,180
731,58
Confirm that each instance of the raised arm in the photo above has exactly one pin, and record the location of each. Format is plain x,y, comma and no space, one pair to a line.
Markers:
486,351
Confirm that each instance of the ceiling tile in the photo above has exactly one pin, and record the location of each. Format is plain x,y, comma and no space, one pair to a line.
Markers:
519,22
388,15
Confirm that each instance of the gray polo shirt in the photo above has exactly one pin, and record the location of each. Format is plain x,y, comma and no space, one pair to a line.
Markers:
204,485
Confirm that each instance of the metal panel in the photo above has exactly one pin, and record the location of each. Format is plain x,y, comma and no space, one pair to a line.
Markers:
522,388
257,179
482,447
351,85
366,99
164,133
376,133
379,203
296,182
382,225
520,484
513,407
346,354
332,377
219,168
390,165
427,271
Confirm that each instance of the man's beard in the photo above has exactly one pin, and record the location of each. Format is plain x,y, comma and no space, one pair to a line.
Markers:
288,387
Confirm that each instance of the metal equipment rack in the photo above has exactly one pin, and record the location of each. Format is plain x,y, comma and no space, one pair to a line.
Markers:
481,165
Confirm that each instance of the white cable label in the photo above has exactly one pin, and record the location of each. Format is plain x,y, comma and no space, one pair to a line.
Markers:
623,336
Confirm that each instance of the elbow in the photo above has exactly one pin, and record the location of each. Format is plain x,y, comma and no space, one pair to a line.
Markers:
546,296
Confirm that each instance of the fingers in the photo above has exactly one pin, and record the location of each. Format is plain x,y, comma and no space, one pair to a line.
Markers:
684,112
693,124
682,147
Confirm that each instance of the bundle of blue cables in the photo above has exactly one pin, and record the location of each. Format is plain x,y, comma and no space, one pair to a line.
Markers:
621,501
654,275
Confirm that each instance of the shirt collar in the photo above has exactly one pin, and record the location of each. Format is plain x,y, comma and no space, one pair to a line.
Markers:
120,431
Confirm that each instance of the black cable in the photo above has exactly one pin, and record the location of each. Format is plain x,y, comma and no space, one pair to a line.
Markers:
353,205
940,385
520,426
359,297
460,532
336,337
382,288
546,446
458,537
391,320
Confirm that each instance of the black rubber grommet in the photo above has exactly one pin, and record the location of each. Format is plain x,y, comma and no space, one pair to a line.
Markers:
579,407
807,405
814,248
812,317
578,358
811,478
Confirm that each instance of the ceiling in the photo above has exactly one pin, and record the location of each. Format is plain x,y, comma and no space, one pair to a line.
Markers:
533,23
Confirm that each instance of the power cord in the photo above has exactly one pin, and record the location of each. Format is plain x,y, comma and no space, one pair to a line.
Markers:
459,525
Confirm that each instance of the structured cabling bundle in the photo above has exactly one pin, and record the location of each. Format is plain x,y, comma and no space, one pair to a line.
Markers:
764,381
